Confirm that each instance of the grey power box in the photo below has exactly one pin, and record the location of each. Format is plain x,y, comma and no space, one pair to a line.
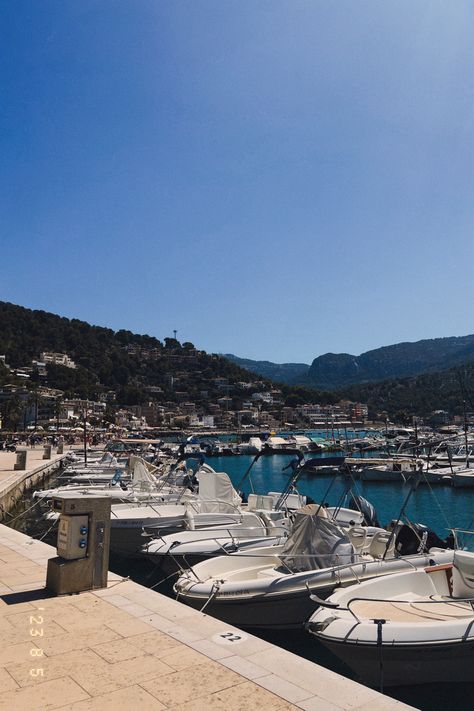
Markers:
72,536
83,544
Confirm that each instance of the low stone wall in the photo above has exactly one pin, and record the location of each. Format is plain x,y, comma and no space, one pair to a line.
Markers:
15,485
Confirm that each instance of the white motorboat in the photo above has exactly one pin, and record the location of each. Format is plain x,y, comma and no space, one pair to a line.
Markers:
217,503
463,478
253,446
411,628
276,445
256,528
141,485
391,470
269,587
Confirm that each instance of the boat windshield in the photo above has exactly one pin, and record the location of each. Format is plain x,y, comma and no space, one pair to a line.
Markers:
463,539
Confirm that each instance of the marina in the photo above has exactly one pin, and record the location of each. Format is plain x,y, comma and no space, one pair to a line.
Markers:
148,486
126,644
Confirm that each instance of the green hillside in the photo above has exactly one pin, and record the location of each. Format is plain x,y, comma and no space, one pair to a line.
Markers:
121,361
401,398
339,370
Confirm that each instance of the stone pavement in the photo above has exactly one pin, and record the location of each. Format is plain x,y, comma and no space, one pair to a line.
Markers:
128,646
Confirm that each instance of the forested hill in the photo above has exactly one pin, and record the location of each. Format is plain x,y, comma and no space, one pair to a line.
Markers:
290,373
338,370
401,398
117,360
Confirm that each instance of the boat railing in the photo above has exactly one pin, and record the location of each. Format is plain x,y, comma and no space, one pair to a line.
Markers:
225,532
353,600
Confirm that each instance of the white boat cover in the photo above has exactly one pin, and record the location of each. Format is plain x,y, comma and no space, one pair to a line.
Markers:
141,474
214,488
315,542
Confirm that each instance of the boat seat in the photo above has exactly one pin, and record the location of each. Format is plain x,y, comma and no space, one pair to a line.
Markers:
378,545
357,536
259,502
463,574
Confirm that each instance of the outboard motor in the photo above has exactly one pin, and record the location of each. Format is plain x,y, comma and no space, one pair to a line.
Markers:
366,508
417,539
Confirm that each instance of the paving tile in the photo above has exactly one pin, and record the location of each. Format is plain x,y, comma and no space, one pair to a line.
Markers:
182,657
117,651
249,696
242,666
47,695
128,626
9,612
316,703
205,626
159,622
121,674
203,703
210,649
7,683
282,687
117,600
154,642
136,610
191,683
14,653
85,661
120,700
27,616
248,647
87,637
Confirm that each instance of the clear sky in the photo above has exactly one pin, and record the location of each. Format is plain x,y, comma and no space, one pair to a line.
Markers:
272,178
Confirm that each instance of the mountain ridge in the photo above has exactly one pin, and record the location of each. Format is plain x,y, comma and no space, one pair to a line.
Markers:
334,371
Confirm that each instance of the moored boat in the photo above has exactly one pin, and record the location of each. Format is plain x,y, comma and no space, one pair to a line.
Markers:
415,627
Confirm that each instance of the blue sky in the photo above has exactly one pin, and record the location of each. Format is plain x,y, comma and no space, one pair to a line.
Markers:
275,179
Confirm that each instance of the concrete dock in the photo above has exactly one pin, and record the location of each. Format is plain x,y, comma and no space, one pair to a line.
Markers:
127,646
14,483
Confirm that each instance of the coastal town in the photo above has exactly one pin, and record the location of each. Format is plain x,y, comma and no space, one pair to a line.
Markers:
222,405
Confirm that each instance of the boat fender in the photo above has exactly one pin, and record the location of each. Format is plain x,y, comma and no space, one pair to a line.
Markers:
189,520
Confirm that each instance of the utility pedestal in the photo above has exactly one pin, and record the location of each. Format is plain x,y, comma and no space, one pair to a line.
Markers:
47,451
83,544
20,464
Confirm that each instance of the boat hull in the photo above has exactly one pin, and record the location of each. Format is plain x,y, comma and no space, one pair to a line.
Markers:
406,665
262,612
285,603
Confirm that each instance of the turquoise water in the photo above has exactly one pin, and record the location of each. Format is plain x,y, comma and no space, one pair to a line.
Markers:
439,507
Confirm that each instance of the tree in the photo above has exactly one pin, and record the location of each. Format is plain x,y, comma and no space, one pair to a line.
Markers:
13,410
